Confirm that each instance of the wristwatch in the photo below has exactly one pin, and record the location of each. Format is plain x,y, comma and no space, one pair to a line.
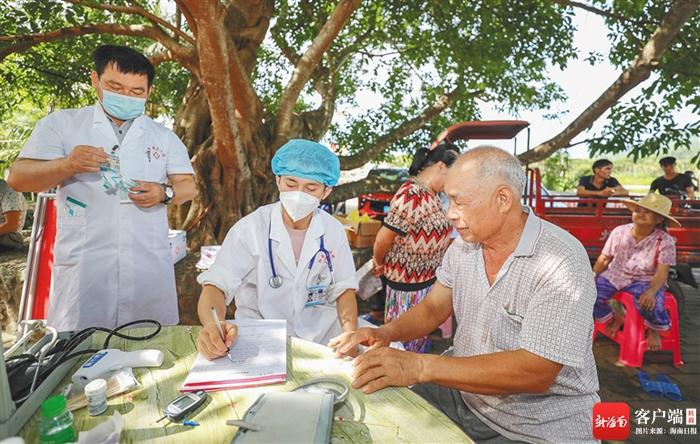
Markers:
169,194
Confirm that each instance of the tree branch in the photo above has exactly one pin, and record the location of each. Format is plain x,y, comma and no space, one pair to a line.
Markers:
373,184
136,9
49,73
598,11
281,43
317,121
22,43
161,57
306,65
406,128
246,99
185,10
344,54
161,22
386,54
640,70
592,139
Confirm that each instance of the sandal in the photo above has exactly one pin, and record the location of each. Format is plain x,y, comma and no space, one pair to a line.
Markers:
653,388
670,388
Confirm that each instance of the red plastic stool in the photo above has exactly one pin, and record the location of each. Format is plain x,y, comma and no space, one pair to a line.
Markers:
632,338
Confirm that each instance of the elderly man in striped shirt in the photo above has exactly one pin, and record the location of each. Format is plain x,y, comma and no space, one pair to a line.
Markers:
522,292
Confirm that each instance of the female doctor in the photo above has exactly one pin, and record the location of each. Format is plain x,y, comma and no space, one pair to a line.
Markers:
287,260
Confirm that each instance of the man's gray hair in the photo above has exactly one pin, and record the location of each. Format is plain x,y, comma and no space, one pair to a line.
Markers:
497,163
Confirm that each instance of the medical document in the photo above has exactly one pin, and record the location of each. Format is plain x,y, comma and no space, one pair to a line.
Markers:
258,357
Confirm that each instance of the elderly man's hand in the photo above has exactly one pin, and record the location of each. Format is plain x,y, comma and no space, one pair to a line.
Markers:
647,300
347,342
147,194
386,367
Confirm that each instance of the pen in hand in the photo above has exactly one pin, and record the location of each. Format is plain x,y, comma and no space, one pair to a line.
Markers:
221,330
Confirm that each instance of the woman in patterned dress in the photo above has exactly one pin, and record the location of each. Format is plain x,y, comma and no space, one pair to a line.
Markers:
414,235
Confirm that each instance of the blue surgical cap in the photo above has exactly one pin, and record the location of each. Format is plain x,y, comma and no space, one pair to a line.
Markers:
308,160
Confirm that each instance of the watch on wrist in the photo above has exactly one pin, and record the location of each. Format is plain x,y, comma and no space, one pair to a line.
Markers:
169,193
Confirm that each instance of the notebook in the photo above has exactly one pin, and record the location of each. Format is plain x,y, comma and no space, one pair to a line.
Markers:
258,357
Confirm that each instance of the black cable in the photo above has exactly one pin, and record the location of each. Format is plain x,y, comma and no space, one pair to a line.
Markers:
22,356
119,335
61,353
86,333
115,332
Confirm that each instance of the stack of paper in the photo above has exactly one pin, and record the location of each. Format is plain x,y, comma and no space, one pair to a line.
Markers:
258,357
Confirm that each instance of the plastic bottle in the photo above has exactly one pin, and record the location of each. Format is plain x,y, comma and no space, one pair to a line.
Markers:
56,422
96,395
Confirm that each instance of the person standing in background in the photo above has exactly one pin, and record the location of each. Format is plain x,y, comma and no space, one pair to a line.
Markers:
117,170
414,236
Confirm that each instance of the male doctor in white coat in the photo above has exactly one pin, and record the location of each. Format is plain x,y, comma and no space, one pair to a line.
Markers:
112,261
287,260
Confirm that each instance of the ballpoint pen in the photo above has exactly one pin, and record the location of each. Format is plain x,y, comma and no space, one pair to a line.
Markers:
221,330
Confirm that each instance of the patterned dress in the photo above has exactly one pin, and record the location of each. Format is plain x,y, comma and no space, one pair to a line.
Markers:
417,215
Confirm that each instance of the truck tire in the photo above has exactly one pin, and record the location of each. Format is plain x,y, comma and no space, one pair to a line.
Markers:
677,291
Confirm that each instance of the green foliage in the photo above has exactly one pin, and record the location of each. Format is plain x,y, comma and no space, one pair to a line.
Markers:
557,172
14,132
408,54
646,125
57,74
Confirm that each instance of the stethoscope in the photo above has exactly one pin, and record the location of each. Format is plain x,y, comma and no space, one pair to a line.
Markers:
275,279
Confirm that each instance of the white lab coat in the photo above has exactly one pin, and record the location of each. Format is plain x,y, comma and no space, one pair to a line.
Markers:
242,271
112,260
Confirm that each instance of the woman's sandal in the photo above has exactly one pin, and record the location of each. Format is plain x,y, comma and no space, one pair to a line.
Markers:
653,388
670,388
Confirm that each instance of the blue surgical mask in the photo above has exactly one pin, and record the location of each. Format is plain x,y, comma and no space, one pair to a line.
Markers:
122,107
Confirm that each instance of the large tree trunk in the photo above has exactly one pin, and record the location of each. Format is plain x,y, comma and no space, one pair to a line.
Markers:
224,197
220,121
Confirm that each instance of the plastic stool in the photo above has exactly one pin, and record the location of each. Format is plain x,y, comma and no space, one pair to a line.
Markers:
632,338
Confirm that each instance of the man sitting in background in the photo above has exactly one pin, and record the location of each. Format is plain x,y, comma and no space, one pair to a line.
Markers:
12,214
672,183
600,184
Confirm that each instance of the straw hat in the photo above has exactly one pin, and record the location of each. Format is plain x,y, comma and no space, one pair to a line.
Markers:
655,203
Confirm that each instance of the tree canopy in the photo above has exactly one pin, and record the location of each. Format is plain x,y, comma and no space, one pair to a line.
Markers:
239,78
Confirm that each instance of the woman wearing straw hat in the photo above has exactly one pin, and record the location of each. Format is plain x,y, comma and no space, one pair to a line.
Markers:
636,258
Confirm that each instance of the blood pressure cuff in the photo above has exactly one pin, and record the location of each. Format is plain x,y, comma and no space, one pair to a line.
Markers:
289,417
20,372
